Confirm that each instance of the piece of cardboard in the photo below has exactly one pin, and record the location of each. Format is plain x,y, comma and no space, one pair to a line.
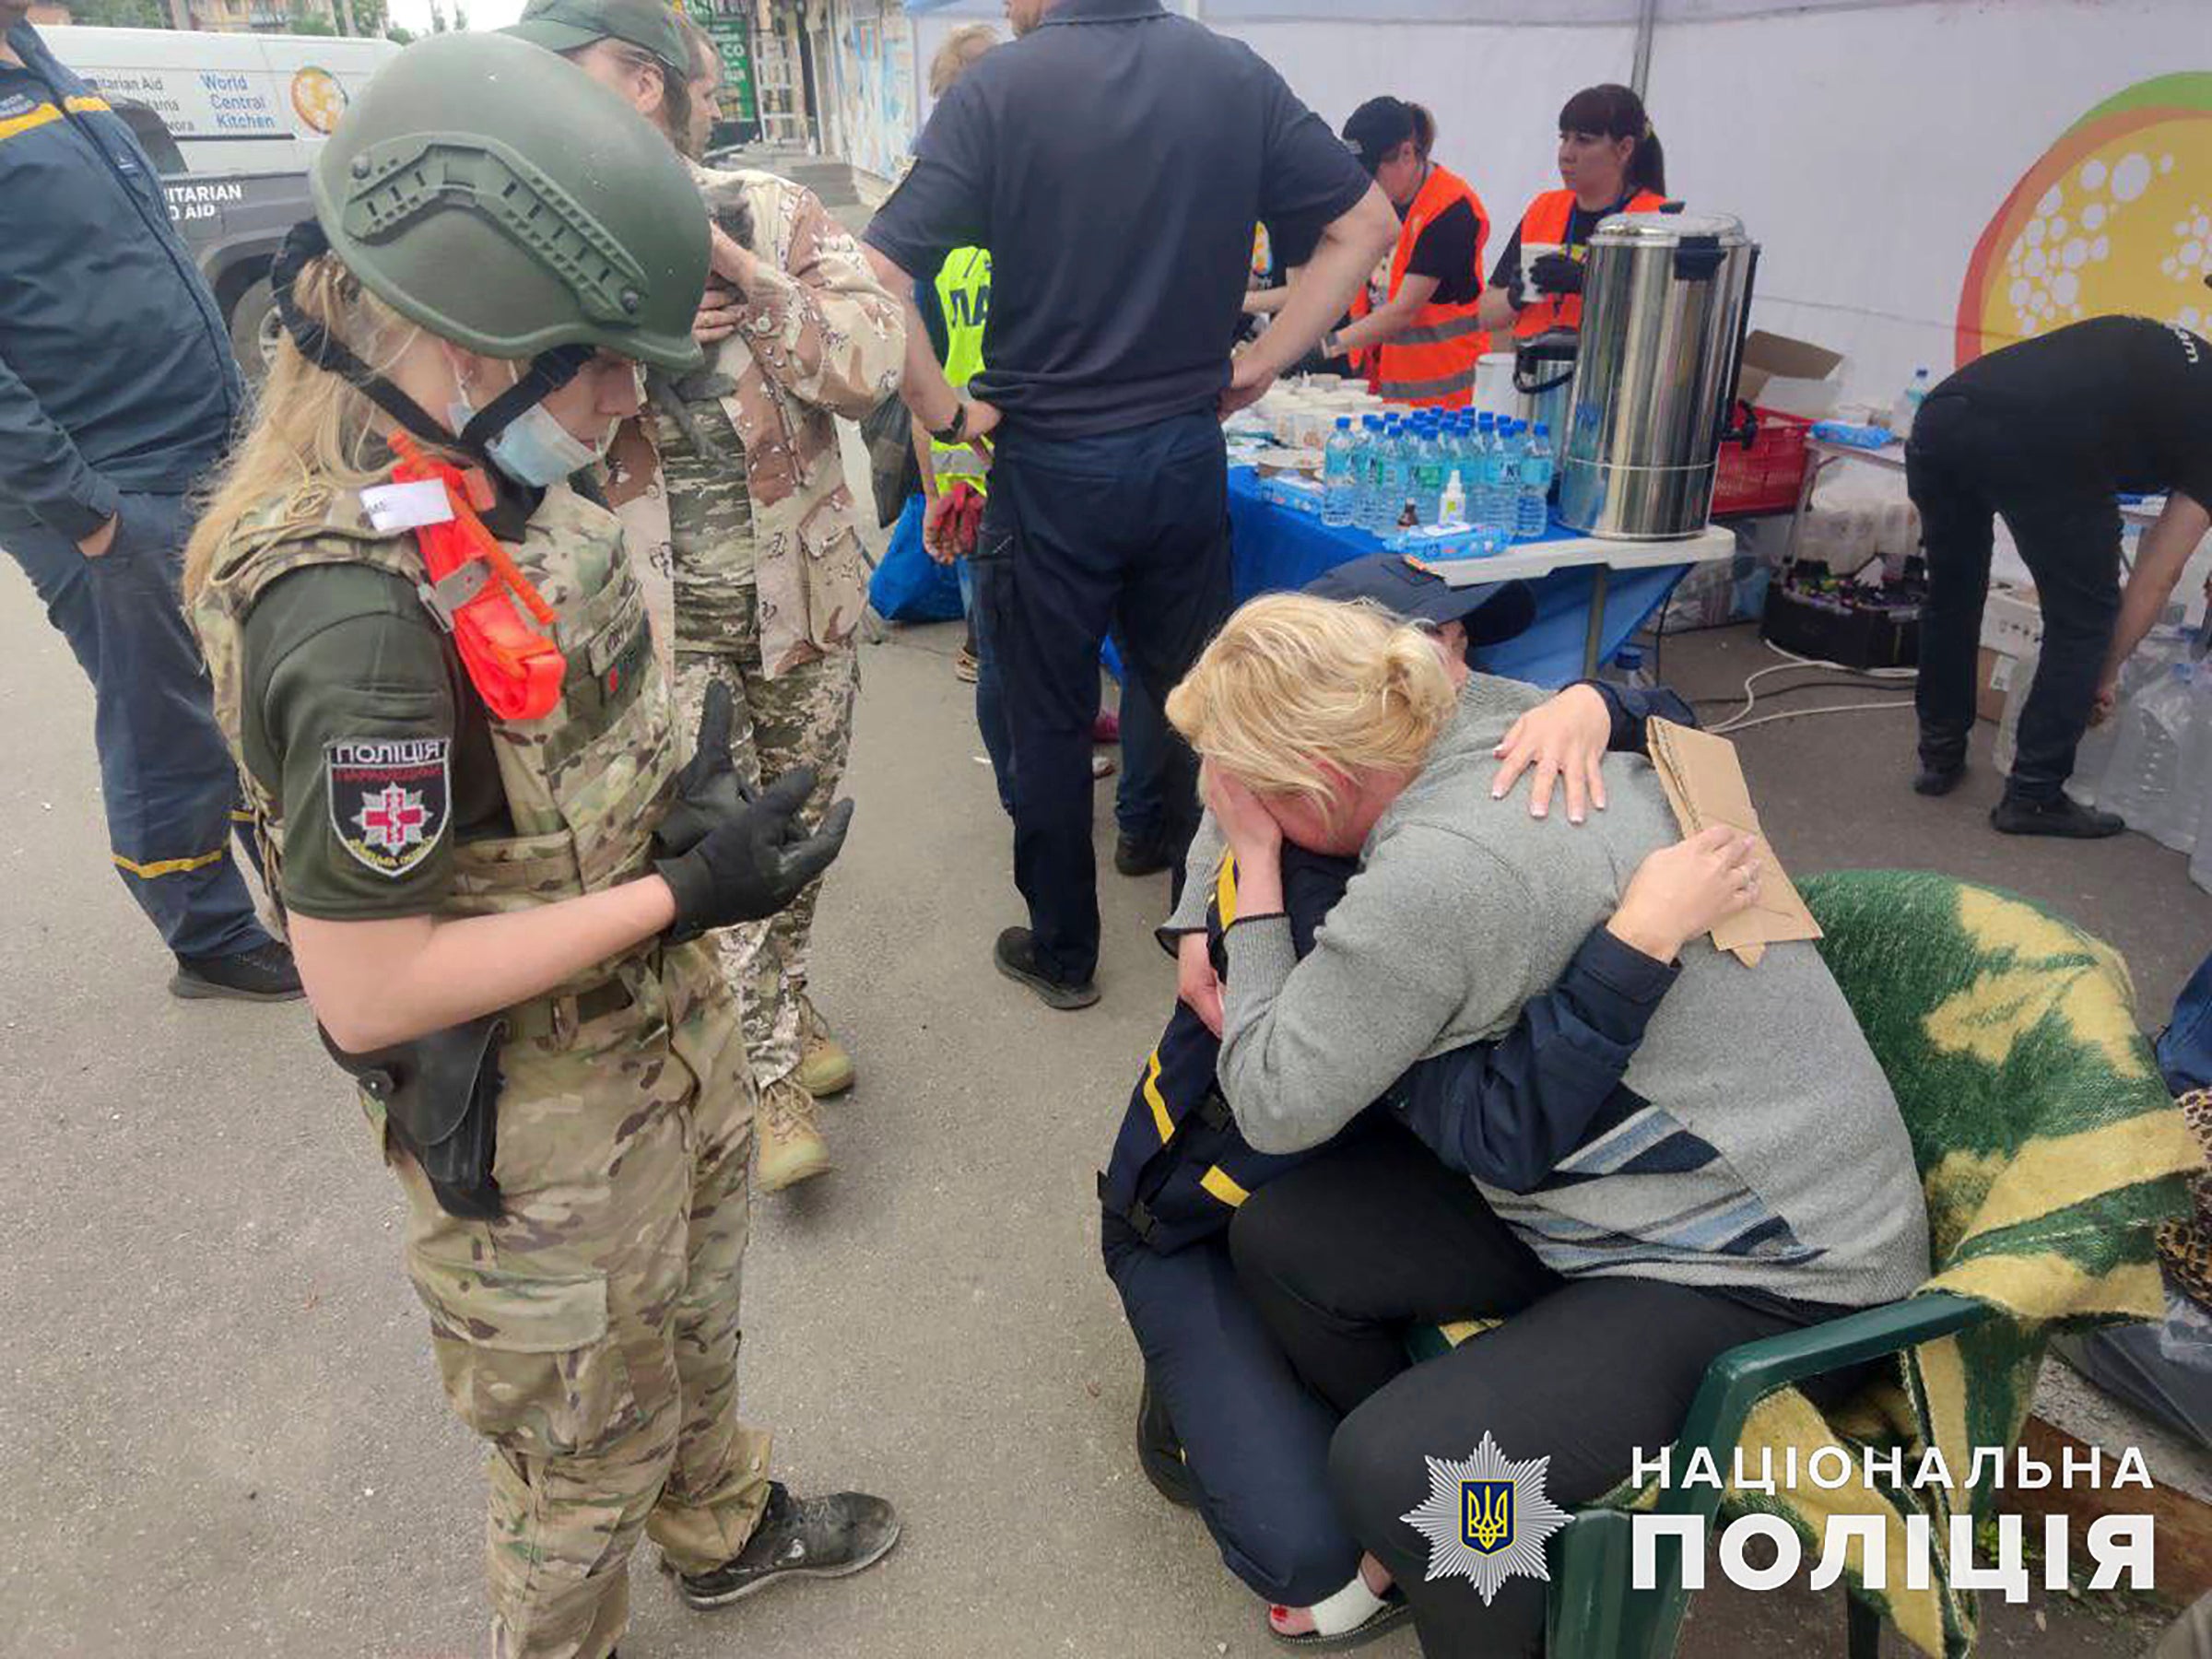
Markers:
1790,376
1704,784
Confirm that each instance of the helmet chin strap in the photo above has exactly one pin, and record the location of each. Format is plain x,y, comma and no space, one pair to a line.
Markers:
548,372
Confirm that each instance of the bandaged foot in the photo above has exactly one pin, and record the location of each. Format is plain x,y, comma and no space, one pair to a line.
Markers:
1346,1610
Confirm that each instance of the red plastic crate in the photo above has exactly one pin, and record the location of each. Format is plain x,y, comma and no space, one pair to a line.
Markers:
1767,476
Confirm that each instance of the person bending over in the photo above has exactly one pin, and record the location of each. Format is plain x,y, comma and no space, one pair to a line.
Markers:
1629,1243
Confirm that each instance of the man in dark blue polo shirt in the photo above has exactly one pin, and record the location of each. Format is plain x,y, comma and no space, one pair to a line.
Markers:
117,392
1114,160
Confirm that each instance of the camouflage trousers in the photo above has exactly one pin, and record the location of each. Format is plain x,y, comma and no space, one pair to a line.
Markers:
591,1334
803,717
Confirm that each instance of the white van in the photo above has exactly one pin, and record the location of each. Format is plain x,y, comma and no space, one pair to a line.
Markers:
231,122
232,102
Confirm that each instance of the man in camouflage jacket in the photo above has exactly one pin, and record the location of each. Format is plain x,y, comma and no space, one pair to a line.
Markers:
731,493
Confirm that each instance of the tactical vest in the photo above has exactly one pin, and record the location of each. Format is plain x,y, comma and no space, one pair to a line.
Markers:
1546,222
1180,1166
585,786
1431,362
964,299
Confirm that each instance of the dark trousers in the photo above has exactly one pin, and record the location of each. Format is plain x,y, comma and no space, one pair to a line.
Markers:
990,700
1126,531
1254,1439
166,778
2185,1045
1963,465
1341,1255
1139,807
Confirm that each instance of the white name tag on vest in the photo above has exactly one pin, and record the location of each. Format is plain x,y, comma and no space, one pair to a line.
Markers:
407,506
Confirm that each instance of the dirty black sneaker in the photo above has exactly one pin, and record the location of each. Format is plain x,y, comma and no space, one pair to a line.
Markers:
2063,816
1159,1451
1938,780
262,974
1016,957
798,1537
1135,857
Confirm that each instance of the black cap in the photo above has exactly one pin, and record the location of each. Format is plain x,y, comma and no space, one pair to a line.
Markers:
1377,127
1493,612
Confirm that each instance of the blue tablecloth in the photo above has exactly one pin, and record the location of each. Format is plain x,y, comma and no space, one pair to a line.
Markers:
1274,547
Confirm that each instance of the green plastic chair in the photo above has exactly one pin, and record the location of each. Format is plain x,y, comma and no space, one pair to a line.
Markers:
1996,1024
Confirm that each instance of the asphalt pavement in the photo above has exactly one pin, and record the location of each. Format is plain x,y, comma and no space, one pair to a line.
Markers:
223,1437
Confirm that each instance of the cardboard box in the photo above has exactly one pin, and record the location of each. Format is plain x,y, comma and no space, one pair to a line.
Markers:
1993,683
2012,622
1794,376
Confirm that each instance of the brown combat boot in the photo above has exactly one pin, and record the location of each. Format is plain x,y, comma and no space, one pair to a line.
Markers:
825,1067
788,1148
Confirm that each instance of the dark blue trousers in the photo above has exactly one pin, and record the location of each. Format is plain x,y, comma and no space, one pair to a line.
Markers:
2185,1045
1126,531
166,778
1256,1440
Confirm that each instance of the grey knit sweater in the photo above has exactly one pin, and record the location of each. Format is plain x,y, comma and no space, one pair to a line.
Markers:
1766,1151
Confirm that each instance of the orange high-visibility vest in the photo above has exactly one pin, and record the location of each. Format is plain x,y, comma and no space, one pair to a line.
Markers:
1546,222
1432,362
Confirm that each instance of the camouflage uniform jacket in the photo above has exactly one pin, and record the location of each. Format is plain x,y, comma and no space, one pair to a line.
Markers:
818,338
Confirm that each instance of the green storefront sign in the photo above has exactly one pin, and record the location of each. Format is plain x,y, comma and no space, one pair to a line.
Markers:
733,36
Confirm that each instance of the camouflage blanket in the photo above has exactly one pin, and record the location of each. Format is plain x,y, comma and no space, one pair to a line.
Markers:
2050,1152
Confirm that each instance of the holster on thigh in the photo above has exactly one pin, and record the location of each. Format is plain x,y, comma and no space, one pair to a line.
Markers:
440,1096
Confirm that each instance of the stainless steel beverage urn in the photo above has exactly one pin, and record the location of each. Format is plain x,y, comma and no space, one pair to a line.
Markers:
1664,300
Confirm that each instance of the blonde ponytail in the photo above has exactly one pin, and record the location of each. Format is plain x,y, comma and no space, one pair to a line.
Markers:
1295,693
309,427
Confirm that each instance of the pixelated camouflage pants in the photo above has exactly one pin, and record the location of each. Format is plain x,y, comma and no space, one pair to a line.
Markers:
591,1334
803,717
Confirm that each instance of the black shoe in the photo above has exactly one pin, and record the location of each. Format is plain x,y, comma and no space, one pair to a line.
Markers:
2015,816
798,1537
262,974
1159,1453
1015,956
1134,857
1938,780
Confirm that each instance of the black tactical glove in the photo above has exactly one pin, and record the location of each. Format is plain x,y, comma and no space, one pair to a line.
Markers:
729,856
1557,274
708,790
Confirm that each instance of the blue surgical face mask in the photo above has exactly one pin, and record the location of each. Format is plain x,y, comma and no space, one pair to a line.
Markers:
533,448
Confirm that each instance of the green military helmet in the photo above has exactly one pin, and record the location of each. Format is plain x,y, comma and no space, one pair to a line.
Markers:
567,25
498,196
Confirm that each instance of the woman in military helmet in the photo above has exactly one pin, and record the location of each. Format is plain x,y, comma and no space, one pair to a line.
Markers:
732,488
432,662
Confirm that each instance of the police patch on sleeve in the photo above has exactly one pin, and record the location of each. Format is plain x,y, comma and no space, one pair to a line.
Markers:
390,798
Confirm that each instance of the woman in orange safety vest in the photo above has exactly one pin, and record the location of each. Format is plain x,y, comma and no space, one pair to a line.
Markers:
1609,162
1419,344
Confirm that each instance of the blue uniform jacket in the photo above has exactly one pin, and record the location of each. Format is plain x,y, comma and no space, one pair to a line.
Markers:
1506,1112
116,366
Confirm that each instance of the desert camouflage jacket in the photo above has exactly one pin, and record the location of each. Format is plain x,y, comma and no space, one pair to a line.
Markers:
818,338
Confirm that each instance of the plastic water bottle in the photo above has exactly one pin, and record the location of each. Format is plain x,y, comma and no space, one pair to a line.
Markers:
1391,475
1505,481
1907,407
1369,508
1481,441
2145,773
1532,514
1627,667
1339,482
1428,472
